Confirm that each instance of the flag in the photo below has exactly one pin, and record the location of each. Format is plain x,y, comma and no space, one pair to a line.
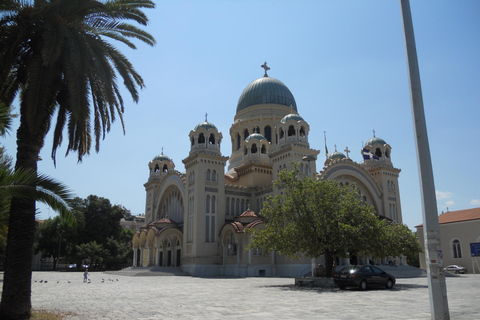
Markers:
367,155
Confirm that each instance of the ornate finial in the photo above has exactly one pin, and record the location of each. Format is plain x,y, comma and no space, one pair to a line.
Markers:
264,66
347,152
206,114
335,147
162,150
374,133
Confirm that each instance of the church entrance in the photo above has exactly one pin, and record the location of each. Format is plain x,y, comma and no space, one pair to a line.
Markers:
179,258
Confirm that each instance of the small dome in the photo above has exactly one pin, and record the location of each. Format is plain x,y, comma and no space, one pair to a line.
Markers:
336,155
291,116
374,141
256,136
266,90
162,157
205,125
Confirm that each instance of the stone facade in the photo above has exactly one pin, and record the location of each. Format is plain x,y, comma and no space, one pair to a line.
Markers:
197,219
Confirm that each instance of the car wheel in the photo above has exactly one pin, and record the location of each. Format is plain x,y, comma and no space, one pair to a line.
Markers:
341,287
389,284
363,285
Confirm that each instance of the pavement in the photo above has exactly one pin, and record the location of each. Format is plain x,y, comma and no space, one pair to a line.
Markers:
117,297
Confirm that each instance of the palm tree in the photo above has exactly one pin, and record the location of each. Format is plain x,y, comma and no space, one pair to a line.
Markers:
55,54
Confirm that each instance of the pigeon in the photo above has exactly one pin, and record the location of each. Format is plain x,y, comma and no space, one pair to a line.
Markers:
45,281
68,281
41,281
58,281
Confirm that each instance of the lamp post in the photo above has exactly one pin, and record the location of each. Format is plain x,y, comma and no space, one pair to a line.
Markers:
309,158
433,251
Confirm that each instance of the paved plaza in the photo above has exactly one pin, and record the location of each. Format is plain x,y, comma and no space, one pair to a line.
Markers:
113,296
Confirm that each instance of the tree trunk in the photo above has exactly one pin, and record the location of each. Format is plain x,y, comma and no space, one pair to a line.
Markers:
16,294
329,264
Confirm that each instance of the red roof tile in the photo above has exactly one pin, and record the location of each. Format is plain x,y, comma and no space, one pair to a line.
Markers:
457,216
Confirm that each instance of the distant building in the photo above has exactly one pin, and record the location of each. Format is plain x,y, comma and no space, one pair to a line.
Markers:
198,219
457,230
133,222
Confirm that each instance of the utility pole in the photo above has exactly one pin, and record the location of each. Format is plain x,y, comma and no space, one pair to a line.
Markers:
433,251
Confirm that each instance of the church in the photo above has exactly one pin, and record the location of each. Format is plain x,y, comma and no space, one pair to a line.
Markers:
198,218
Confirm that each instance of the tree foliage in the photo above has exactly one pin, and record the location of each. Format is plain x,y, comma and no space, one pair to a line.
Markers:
100,240
58,57
313,217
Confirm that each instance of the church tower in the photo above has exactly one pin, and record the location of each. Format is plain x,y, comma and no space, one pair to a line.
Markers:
377,160
205,195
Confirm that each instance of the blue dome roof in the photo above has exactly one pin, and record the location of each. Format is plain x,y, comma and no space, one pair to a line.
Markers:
336,155
293,116
256,136
162,157
205,125
374,141
266,90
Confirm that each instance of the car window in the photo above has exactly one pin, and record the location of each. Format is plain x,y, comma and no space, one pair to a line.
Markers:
376,270
367,270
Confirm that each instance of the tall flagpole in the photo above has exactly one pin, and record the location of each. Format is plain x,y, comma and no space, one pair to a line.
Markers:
431,231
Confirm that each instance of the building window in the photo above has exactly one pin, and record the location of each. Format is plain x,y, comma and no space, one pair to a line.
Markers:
201,138
214,175
207,175
268,133
456,249
207,205
291,131
245,134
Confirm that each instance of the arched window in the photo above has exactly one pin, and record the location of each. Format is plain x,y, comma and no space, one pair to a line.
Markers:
165,168
214,175
237,207
302,132
245,134
264,149
207,205
211,140
268,133
282,133
232,207
291,131
201,138
238,141
378,152
207,176
254,148
387,154
456,249
213,203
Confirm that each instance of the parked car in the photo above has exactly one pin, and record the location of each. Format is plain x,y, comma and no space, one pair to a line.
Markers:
363,277
456,269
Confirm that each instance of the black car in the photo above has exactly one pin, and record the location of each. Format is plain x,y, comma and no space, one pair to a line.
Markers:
363,277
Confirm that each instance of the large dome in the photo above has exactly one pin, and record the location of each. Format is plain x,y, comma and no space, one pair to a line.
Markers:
266,90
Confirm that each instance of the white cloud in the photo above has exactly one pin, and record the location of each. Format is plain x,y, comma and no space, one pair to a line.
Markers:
450,203
443,195
475,202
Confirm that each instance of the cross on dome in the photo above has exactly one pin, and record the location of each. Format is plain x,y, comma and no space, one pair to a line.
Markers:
374,133
206,114
264,66
347,152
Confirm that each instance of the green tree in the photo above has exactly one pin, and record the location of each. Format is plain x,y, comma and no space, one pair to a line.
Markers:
90,252
56,55
313,217
52,239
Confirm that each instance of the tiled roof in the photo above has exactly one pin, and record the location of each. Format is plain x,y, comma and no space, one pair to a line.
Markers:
457,216
248,214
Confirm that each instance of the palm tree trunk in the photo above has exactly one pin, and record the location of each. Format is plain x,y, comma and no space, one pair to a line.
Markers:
16,294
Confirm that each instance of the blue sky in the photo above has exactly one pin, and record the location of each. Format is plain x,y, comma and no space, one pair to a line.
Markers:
344,62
